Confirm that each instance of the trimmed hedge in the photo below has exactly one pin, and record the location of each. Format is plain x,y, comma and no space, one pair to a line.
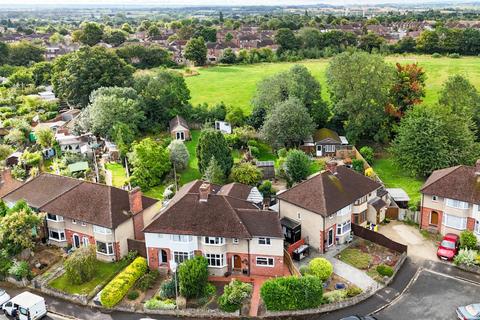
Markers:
114,292
385,270
321,268
292,293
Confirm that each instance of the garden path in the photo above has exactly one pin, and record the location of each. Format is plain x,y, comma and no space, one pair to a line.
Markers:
354,275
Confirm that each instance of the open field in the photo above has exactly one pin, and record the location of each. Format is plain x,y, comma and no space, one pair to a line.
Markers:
235,85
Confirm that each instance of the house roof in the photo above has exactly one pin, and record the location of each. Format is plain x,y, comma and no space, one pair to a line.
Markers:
219,216
178,120
398,194
326,193
459,183
326,134
8,183
236,190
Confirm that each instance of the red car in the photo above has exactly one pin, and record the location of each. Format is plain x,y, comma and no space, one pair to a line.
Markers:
448,248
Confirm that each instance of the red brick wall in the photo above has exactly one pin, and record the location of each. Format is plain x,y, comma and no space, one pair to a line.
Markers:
243,258
322,236
138,226
425,219
276,270
69,235
470,224
153,258
116,247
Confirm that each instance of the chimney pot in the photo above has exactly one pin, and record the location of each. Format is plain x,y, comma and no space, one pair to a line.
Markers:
204,191
332,166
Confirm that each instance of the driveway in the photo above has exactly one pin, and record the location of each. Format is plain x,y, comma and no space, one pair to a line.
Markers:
419,248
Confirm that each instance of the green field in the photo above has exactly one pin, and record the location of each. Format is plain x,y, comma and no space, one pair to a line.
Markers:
235,85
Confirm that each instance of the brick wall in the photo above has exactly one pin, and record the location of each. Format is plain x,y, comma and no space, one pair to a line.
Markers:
425,219
69,235
138,226
276,270
470,224
243,259
153,258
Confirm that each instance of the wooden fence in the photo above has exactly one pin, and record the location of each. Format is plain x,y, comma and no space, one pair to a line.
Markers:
287,259
137,245
378,238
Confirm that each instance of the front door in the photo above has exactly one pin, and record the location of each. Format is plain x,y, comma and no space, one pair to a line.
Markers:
237,262
330,237
319,150
434,218
76,241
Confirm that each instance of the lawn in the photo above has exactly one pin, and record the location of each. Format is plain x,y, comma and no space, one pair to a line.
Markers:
119,176
355,258
235,85
191,172
104,272
394,177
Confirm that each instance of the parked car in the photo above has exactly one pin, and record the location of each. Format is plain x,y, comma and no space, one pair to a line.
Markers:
356,317
470,312
4,297
448,248
26,306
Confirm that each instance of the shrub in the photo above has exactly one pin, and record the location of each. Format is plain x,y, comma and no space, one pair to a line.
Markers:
468,240
335,296
321,268
234,294
436,55
353,291
304,270
297,165
282,153
465,256
156,304
246,173
209,290
367,154
454,55
148,280
167,289
292,293
358,165
114,291
20,270
80,266
384,270
5,263
133,295
193,277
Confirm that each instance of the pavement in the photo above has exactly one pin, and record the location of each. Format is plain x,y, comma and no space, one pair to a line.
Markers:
354,275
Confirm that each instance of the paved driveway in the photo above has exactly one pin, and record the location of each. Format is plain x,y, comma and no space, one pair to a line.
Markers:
433,295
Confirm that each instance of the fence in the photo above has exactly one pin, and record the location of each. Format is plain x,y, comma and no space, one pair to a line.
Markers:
378,238
287,259
409,215
137,245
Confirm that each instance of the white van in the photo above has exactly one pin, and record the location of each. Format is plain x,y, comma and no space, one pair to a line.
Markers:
27,306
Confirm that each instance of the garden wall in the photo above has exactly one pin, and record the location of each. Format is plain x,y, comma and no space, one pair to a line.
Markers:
138,246
378,238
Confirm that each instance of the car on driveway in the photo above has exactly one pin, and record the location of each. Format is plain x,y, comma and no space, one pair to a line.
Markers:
470,312
448,247
4,297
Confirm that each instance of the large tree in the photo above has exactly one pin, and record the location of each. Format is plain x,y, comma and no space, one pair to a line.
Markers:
165,94
287,124
431,138
145,57
286,39
212,144
3,53
90,33
179,155
196,51
76,75
24,53
115,37
17,229
359,85
109,106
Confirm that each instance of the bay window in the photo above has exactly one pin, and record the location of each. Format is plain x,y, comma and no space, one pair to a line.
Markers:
451,221
179,256
456,203
54,217
56,235
105,248
101,230
343,228
215,260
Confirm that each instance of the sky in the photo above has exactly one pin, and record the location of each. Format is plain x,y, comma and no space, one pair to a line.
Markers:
34,3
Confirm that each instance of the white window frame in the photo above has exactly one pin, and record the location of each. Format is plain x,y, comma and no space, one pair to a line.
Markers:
477,227
85,241
213,241
101,230
452,203
109,248
329,148
235,241
74,221
361,200
435,198
183,254
264,241
60,233
269,262
215,260
343,228
446,221
344,211
57,217
181,238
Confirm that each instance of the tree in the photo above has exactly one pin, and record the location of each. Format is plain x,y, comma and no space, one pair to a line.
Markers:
209,34
367,154
179,155
76,75
267,189
408,89
468,240
246,173
235,116
4,53
80,265
123,136
45,137
196,51
22,77
287,124
150,162
286,40
193,277
228,56
41,73
370,41
430,138
297,165
23,53
359,85
144,57
212,144
16,230
406,45
228,37
214,173
310,38
109,106
90,33
165,96
115,37
428,42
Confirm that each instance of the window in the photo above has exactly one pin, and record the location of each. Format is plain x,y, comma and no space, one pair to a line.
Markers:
434,198
265,262
361,200
180,238
477,227
180,257
53,217
84,224
264,241
345,211
86,241
215,260
56,235
359,218
235,241
456,203
329,148
214,240
455,222
344,227
74,221
101,230
105,248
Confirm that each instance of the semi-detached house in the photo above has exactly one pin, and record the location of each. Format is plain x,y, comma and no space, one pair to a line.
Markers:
232,233
81,213
451,200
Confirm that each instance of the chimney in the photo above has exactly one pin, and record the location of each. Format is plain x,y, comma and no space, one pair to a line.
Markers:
135,200
204,191
332,166
477,168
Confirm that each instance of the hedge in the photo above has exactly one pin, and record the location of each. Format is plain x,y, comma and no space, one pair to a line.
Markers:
292,293
114,292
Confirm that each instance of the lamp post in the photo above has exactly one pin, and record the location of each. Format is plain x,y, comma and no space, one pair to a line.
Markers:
173,266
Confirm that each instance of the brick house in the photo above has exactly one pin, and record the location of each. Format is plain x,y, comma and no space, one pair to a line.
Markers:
81,213
233,234
179,129
322,208
451,199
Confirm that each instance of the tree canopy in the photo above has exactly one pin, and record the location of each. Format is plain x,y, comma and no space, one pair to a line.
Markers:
196,51
212,144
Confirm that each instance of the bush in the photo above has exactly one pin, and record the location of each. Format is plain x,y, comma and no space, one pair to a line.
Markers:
335,296
167,289
156,304
454,55
20,270
358,165
466,257
292,293
193,277
114,292
353,291
468,240
5,262
246,173
297,165
367,154
148,280
80,266
282,153
234,294
436,55
209,290
384,270
133,295
321,268
304,270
